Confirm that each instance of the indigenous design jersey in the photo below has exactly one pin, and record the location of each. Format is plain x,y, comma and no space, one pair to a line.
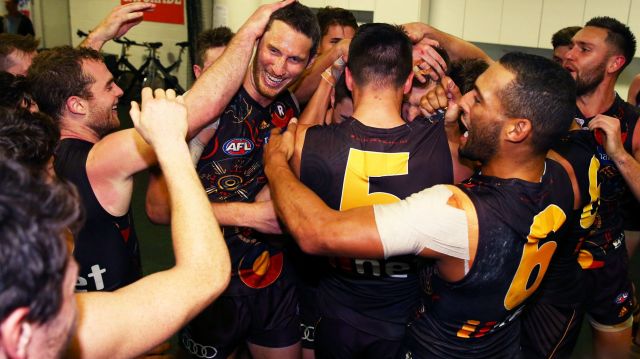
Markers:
478,316
231,170
616,198
106,248
563,283
351,165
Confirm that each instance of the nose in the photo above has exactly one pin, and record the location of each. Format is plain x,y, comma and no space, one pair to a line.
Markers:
119,91
279,67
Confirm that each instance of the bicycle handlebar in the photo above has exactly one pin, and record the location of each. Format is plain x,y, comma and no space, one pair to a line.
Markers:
81,33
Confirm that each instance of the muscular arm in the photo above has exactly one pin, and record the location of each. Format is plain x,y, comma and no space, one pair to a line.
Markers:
634,88
130,321
456,48
310,79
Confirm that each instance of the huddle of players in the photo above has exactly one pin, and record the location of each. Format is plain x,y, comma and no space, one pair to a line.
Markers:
464,293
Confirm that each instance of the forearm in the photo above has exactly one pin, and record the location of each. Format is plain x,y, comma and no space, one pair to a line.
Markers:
456,47
316,110
629,169
305,87
92,41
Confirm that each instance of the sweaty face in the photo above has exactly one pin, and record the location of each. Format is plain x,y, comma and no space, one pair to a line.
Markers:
102,112
282,55
587,58
334,34
51,339
483,114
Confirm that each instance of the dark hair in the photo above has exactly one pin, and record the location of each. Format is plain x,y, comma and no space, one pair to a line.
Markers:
12,42
329,16
211,38
618,35
543,92
29,138
34,217
465,72
14,91
301,19
380,54
56,74
563,37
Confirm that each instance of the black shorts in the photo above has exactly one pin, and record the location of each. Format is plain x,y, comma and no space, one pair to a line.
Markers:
550,331
337,339
309,314
269,318
610,299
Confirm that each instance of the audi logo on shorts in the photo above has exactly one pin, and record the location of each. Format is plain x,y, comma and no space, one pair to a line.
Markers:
199,350
308,333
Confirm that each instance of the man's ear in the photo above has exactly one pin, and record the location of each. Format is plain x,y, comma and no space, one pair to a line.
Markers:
348,78
197,71
15,334
406,88
77,105
615,63
518,129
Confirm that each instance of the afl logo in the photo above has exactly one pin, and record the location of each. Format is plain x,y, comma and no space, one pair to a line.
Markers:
238,147
260,267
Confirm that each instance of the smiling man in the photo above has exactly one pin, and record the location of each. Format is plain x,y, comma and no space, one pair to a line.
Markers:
260,305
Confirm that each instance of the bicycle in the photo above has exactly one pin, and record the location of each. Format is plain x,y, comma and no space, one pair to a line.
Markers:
152,73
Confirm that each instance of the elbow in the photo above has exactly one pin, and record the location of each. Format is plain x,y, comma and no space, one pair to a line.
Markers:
311,239
158,214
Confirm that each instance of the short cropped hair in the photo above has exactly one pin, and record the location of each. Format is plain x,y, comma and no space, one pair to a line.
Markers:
618,35
34,216
301,19
543,92
212,38
329,16
380,54
12,42
14,91
465,72
563,36
56,74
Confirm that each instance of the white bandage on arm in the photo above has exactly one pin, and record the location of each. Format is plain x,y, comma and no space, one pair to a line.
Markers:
196,146
423,220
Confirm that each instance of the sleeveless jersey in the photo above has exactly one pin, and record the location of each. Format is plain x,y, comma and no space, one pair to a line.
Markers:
106,248
563,283
351,165
519,225
231,170
616,199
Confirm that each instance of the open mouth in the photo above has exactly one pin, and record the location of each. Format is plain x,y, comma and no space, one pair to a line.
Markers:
272,81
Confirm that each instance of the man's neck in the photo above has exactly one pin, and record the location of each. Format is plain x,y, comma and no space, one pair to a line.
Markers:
525,166
73,129
379,108
599,100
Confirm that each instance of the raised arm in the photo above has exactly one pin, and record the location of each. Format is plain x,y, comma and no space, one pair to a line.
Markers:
456,47
218,84
130,321
120,20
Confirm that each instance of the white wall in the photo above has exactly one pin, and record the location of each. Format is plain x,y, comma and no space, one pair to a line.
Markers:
87,14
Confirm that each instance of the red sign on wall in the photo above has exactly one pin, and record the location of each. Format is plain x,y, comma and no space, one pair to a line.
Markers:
167,11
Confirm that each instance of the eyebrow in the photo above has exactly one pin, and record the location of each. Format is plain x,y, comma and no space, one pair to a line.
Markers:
475,87
109,83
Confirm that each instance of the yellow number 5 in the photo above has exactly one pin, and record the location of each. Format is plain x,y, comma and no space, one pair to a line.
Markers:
361,165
